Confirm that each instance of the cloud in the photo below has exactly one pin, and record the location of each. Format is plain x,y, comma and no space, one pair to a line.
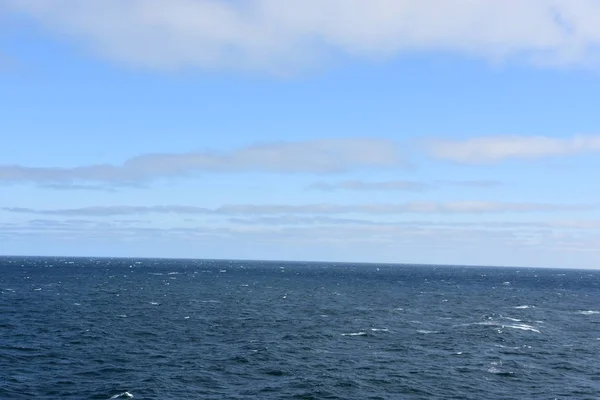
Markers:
396,185
107,211
489,149
457,244
316,156
78,187
471,183
465,207
368,186
277,35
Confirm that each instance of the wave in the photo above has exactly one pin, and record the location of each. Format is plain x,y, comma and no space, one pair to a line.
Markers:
124,395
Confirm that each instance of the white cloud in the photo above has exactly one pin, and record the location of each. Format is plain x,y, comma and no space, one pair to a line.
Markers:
464,207
317,156
398,185
367,186
489,149
281,35
448,244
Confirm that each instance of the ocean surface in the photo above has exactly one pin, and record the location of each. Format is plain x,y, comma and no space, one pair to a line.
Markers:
185,329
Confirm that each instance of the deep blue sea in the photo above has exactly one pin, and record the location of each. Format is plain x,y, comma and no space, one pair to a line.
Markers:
192,329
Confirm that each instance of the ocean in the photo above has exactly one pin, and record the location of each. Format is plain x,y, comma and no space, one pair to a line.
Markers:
102,328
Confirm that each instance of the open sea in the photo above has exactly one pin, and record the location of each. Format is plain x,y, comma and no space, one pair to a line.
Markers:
100,328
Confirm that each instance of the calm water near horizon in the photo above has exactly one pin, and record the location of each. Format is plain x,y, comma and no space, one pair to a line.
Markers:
101,328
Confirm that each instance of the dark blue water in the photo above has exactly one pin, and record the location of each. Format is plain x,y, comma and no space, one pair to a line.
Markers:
165,329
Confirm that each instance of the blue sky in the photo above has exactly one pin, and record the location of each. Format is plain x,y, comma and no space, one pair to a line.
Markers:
451,132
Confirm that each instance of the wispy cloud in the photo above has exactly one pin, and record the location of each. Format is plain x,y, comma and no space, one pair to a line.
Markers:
465,207
295,220
280,36
445,243
368,186
489,149
107,211
398,185
79,187
317,156
470,183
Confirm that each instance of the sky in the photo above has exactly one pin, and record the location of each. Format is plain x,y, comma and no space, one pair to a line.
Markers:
461,132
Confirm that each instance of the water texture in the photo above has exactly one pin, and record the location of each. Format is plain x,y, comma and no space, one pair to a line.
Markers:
195,329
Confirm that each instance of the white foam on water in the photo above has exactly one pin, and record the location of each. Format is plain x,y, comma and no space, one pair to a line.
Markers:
37,289
589,312
154,303
507,347
512,319
380,329
523,307
522,327
423,331
125,395
173,273
355,334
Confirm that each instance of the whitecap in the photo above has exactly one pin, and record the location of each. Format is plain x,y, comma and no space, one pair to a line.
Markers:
380,329
524,307
355,334
426,332
125,395
512,319
522,327
589,312
154,303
